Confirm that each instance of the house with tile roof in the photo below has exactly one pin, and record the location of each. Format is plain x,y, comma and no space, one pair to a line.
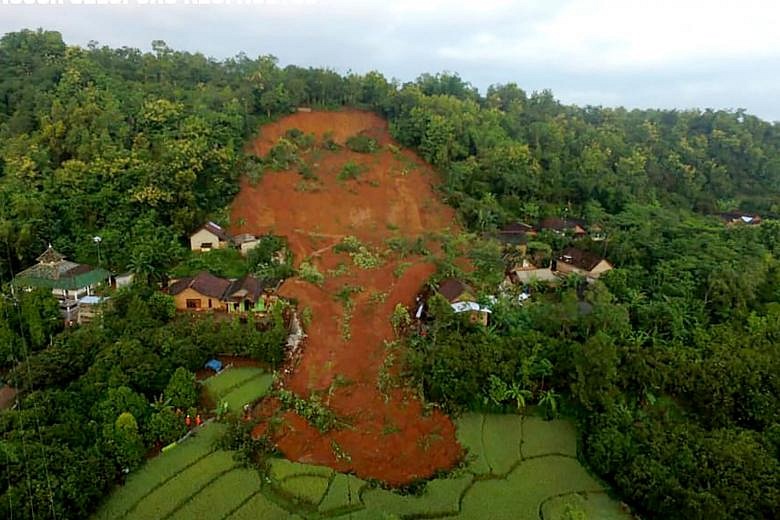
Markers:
210,236
206,292
584,263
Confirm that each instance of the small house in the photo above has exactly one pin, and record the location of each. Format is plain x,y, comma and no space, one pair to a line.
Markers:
245,295
517,233
461,298
245,242
209,236
739,218
563,226
526,272
206,292
91,308
584,263
201,292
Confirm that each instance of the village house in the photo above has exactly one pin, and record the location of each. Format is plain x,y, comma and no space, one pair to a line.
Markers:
209,236
584,263
206,292
563,226
245,242
517,233
462,299
736,218
69,281
526,272
91,308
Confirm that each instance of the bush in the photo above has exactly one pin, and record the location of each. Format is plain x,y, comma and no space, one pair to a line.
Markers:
362,143
351,170
310,273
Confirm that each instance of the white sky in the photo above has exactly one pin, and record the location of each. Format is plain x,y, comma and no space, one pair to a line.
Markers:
651,53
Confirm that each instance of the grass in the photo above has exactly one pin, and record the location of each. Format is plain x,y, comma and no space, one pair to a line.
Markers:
226,262
221,496
229,379
249,392
155,472
260,508
165,499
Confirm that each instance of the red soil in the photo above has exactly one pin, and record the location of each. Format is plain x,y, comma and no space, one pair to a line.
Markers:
390,437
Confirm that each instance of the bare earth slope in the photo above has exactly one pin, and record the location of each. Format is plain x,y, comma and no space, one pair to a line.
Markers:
389,436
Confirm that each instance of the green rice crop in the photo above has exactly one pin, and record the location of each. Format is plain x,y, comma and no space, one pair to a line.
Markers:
221,496
167,498
159,469
501,437
260,508
249,391
309,489
542,437
229,379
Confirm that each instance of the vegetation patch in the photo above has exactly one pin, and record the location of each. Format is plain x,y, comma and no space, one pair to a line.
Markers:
309,272
351,171
362,143
584,506
312,409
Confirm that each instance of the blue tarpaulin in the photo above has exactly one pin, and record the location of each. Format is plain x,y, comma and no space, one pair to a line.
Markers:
214,364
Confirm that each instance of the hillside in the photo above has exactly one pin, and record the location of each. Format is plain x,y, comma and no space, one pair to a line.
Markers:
393,197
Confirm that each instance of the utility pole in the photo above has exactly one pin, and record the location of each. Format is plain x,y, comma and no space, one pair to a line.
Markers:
97,240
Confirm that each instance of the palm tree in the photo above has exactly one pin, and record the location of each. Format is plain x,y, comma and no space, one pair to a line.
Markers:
549,401
520,395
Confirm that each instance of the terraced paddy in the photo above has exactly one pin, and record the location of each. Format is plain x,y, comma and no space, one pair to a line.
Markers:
517,468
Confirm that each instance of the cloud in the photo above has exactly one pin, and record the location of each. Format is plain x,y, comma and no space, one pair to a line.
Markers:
635,53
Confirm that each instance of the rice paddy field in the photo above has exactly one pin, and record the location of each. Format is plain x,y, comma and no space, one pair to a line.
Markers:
239,386
516,468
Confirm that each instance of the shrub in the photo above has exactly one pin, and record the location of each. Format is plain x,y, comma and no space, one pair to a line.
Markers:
351,170
310,273
362,143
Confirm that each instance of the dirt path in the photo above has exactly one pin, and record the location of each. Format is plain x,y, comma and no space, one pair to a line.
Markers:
389,437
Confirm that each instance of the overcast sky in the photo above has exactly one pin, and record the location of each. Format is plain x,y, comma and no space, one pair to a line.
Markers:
635,53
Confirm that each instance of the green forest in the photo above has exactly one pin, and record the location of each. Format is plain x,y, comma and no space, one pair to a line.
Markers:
673,372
